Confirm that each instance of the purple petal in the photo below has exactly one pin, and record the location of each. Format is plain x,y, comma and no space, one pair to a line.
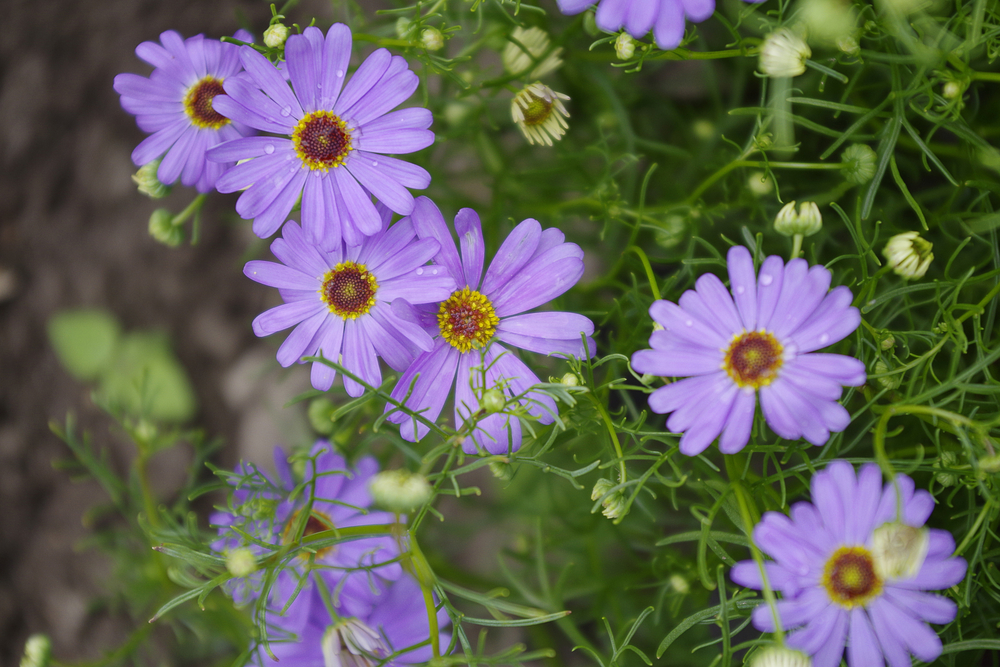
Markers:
925,606
418,288
385,96
698,10
694,303
736,434
471,246
299,343
687,361
841,368
319,205
882,614
358,204
743,282
303,55
640,17
157,144
829,627
281,317
548,333
270,81
336,57
697,407
269,220
686,326
677,394
571,7
918,639
514,253
669,27
708,426
244,103
936,575
611,15
769,284
329,344
801,302
365,168
833,320
505,367
279,275
359,358
541,280
383,341
429,223
436,370
404,331
395,141
366,76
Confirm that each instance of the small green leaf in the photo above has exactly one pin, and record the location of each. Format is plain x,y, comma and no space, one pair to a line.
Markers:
146,379
84,340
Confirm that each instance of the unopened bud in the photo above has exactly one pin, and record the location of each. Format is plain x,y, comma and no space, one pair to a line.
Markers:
320,415
404,27
493,401
679,584
525,48
399,491
624,46
760,183
703,129
431,39
806,222
909,255
946,477
275,35
887,381
888,342
163,229
990,464
570,380
502,470
828,22
241,562
951,90
858,164
781,656
37,651
590,24
614,504
783,54
899,550
148,183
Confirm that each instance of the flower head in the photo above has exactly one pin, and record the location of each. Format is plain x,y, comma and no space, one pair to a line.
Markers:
807,221
331,138
760,338
665,18
525,53
532,267
539,112
783,54
351,304
848,573
276,35
399,490
177,105
909,255
858,162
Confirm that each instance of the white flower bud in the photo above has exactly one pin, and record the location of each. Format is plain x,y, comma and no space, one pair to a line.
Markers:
898,550
615,504
806,222
951,90
779,656
163,229
431,39
858,162
493,401
909,255
275,35
399,491
404,27
525,48
148,183
241,562
37,651
783,54
624,46
570,380
760,183
679,584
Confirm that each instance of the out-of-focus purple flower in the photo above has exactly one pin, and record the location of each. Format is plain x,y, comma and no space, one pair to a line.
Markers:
176,104
351,304
334,494
532,267
665,18
331,139
853,568
761,337
373,620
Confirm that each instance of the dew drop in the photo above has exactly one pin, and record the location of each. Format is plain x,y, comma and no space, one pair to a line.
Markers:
740,289
434,272
269,148
286,112
374,163
689,323
420,272
340,73
824,338
766,279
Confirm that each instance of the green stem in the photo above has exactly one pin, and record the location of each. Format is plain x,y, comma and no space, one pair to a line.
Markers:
148,501
425,577
622,474
708,182
191,209
649,271
796,245
975,528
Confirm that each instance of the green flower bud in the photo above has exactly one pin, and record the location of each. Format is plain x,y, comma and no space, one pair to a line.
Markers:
493,401
615,504
899,550
590,24
37,651
399,491
320,415
404,27
990,464
431,39
783,54
828,22
502,470
530,45
858,164
148,183
760,183
163,229
241,562
888,342
806,222
570,380
624,46
703,129
909,255
887,381
780,656
679,584
945,477
275,35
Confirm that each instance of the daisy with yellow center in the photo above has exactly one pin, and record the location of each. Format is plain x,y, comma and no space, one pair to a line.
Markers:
540,114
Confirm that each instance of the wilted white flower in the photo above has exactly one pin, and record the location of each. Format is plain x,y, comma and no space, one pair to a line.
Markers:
909,255
806,222
615,504
526,47
539,113
399,491
276,35
898,550
783,54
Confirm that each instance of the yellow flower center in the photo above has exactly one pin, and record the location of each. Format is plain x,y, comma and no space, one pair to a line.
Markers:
349,290
322,140
537,111
316,523
467,320
850,577
198,103
753,359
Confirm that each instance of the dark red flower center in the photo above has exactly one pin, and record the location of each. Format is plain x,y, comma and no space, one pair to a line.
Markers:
349,290
198,103
753,359
850,577
467,320
322,140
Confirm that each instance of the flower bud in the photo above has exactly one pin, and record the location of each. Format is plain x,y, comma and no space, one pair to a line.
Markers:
163,229
990,464
909,255
399,491
806,222
858,163
780,656
828,22
148,183
899,550
37,651
888,342
570,380
624,46
275,35
590,24
951,90
525,48
946,477
679,584
320,415
887,381
615,504
783,54
431,39
493,401
241,562
760,183
703,129
502,470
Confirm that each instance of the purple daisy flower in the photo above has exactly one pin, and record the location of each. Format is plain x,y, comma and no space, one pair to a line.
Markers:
852,569
177,105
351,304
332,140
531,268
373,619
763,342
665,18
337,496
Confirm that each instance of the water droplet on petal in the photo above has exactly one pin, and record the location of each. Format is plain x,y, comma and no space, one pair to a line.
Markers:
824,338
420,272
766,279
287,111
689,323
434,272
740,289
340,73
269,148
374,163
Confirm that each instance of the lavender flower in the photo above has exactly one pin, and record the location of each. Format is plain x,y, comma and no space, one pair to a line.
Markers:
177,105
373,619
531,268
664,17
336,496
764,341
351,304
329,151
853,567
